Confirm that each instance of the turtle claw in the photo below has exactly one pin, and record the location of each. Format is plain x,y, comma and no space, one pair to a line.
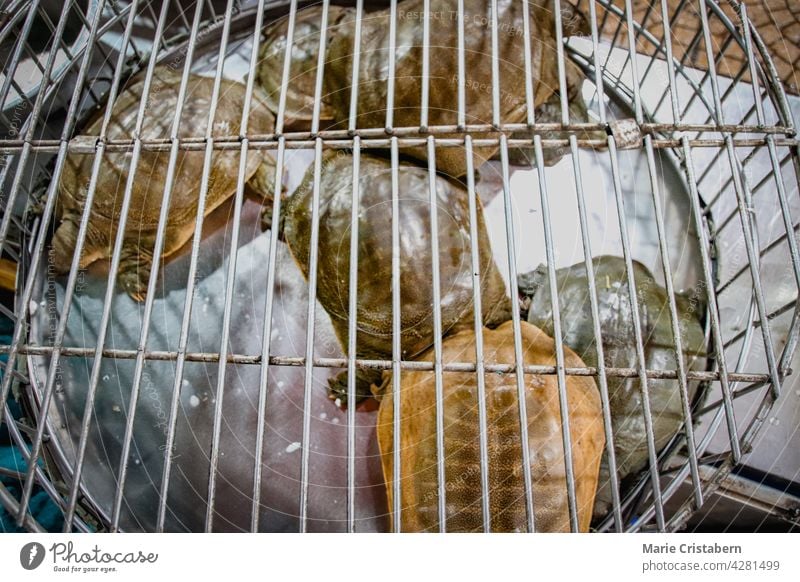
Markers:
267,222
134,275
36,208
337,386
337,389
133,285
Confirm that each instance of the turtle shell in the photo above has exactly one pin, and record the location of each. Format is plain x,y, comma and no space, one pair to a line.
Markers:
443,75
374,318
619,350
148,187
303,62
418,456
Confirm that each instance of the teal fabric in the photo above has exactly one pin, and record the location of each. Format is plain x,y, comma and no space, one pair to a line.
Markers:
43,509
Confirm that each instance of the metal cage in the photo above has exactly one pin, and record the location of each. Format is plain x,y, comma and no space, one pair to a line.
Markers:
715,155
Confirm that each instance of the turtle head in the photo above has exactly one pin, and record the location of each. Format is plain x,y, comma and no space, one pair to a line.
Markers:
528,285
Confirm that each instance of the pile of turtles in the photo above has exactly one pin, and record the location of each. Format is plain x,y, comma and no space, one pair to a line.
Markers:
465,328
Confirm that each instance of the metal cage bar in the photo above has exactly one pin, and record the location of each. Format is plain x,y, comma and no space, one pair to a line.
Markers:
699,131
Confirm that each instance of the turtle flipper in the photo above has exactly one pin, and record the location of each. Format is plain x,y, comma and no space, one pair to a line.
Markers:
268,222
62,247
337,386
65,241
134,272
262,188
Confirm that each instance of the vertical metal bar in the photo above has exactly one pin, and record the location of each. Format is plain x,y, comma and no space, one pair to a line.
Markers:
712,307
783,200
151,284
36,444
712,70
211,10
426,67
437,335
637,98
321,60
495,69
598,339
613,38
312,272
641,360
598,68
746,216
479,364
673,88
751,62
287,63
462,67
262,394
526,42
223,353
562,78
309,355
267,334
515,317
351,128
391,70
112,277
353,283
776,87
396,342
563,400
674,318
352,335
269,300
230,277
706,75
182,14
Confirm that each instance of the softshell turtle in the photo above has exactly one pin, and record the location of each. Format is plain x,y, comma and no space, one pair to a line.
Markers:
443,74
418,455
619,345
374,319
303,62
148,187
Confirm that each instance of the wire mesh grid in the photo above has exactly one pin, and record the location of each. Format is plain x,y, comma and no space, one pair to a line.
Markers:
100,375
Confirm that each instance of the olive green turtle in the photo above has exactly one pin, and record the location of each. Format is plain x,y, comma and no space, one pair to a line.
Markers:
301,88
374,304
151,174
619,350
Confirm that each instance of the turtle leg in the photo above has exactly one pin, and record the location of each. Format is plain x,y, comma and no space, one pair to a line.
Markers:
267,222
135,265
262,186
365,379
65,242
62,247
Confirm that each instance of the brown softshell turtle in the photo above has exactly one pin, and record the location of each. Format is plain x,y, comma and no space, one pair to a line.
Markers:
443,75
303,55
619,347
374,318
418,454
148,187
